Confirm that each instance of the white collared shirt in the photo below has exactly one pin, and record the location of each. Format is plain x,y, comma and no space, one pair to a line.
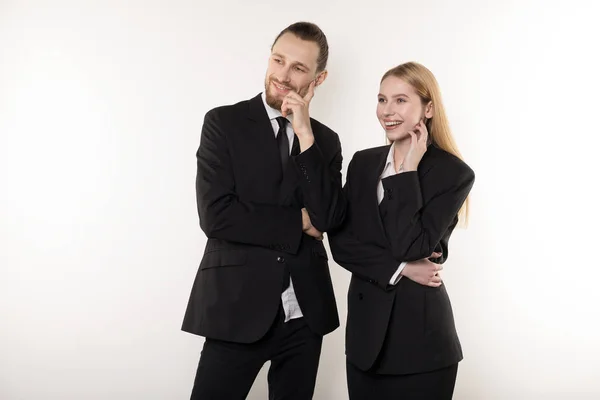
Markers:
389,170
288,297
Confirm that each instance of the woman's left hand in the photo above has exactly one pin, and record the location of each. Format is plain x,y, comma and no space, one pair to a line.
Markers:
418,147
424,272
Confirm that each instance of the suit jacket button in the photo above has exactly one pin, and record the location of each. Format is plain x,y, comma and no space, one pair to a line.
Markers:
280,259
360,296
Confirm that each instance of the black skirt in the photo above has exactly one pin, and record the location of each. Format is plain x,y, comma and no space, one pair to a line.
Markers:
433,385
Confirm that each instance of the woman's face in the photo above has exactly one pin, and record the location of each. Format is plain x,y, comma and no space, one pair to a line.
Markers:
399,108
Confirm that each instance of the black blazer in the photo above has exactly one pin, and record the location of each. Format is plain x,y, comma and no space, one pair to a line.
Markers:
250,211
406,328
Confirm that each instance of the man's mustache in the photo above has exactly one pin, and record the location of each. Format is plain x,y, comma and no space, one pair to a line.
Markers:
295,89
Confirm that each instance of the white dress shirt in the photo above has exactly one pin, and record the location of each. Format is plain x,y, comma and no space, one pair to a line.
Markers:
288,297
389,170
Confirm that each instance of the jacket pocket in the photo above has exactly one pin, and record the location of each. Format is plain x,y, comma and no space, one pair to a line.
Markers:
223,258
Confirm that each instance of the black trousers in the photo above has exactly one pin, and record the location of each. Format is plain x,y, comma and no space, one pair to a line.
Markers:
227,370
434,385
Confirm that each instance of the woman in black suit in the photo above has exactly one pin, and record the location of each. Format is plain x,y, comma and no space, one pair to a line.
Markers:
404,200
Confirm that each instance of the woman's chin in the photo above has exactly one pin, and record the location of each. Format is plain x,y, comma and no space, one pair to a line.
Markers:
393,136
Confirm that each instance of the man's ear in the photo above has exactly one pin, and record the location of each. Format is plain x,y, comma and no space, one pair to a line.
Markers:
320,78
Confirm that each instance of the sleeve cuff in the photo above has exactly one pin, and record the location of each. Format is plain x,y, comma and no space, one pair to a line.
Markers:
396,277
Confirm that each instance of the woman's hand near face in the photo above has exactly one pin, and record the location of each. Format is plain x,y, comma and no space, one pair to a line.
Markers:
418,147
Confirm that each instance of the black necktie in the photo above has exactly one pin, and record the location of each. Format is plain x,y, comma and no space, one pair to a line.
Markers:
283,142
284,153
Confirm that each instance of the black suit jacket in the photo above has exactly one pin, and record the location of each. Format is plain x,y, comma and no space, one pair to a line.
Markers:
406,328
249,209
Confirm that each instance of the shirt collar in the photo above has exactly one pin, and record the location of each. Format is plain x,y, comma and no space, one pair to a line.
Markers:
272,112
390,157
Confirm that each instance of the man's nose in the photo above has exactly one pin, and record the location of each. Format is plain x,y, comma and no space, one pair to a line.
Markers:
284,75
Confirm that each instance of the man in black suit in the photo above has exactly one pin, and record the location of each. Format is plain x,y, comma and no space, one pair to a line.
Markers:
268,185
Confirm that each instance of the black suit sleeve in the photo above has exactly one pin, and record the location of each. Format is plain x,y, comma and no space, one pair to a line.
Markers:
415,229
223,215
442,246
321,184
366,260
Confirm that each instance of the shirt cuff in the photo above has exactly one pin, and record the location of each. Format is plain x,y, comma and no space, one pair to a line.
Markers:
396,277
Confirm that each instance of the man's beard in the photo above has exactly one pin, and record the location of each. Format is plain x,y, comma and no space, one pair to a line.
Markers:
275,102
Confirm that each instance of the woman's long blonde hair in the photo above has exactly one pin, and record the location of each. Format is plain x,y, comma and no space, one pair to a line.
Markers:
426,86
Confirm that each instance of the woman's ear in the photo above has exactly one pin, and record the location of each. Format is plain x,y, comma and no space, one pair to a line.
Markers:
429,110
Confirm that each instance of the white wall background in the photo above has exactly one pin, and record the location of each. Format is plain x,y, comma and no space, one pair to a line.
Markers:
101,106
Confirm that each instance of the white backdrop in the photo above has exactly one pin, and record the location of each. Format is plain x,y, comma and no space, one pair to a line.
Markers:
101,107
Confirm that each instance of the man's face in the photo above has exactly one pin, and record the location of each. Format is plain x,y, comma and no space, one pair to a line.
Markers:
292,67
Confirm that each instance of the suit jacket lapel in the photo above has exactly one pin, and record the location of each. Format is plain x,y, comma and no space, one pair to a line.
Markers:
262,132
378,161
290,185
269,152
